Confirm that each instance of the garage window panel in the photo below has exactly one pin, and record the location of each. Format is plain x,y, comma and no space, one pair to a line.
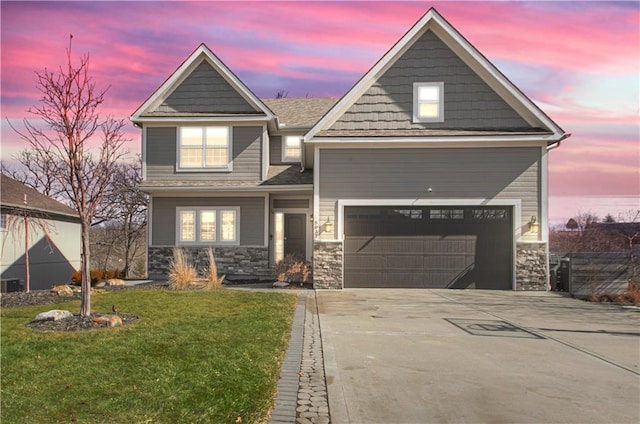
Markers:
446,214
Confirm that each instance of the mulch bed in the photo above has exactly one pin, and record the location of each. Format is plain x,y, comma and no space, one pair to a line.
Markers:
78,323
75,323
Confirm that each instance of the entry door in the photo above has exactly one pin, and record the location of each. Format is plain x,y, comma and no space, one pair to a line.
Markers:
295,234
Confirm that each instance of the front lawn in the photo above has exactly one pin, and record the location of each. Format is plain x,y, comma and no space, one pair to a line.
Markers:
192,357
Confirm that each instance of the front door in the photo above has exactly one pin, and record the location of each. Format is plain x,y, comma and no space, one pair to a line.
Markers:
295,235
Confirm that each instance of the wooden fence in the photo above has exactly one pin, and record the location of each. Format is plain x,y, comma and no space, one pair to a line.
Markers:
595,273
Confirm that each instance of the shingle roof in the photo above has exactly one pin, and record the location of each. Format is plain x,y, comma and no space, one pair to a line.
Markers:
12,194
278,175
427,133
301,112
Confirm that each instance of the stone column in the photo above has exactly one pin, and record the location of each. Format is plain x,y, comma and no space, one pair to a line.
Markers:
327,265
531,266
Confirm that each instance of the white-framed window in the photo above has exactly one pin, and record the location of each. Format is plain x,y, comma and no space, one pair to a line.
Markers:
291,148
208,225
207,148
428,102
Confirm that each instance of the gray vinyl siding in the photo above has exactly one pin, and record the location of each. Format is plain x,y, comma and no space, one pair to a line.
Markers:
275,150
473,173
469,103
161,156
163,219
205,91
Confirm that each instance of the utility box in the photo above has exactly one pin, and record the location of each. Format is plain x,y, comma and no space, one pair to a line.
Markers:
11,285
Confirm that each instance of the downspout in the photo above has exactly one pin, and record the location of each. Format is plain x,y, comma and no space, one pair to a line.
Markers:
557,143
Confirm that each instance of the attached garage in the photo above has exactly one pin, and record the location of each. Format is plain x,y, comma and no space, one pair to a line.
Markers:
428,247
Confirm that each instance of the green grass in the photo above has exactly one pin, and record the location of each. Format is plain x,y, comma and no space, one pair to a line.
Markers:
193,357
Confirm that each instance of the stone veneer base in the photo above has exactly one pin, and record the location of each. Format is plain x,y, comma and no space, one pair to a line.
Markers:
531,266
327,265
237,262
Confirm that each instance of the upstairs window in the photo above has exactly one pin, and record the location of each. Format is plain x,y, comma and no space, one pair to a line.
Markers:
204,148
291,148
428,102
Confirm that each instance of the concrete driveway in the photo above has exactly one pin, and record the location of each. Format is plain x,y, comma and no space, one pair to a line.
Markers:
442,356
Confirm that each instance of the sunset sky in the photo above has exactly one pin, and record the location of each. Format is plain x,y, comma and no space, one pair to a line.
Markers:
579,61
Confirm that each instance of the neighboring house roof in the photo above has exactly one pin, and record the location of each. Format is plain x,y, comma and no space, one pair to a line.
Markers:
12,195
433,21
301,112
202,60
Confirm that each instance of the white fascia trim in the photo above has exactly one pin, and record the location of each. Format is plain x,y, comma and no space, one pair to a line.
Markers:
223,191
143,152
265,153
149,227
267,223
466,141
543,219
316,191
186,119
200,54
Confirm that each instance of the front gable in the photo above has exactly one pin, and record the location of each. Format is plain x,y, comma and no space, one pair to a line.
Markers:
476,99
202,87
469,103
204,91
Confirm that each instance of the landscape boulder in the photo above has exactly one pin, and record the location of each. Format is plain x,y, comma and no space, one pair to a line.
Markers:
115,282
62,290
53,315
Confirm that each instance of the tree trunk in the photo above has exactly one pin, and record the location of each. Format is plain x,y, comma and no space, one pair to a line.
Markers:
85,306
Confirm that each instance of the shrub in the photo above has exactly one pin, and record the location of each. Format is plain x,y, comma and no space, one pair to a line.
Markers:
292,269
97,275
181,272
213,281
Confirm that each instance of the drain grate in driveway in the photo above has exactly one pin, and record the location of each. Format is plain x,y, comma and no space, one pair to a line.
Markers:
491,327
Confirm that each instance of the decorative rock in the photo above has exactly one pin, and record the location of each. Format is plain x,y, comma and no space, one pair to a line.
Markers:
62,290
104,319
115,282
280,284
114,321
109,320
53,315
100,285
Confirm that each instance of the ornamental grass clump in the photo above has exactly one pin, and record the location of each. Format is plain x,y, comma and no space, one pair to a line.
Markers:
212,279
182,273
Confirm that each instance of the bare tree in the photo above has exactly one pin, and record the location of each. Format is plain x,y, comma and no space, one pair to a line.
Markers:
71,121
35,170
129,208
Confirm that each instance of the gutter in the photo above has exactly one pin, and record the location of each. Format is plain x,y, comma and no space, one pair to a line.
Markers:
556,144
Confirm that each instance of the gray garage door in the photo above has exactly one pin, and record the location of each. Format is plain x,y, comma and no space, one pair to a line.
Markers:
428,247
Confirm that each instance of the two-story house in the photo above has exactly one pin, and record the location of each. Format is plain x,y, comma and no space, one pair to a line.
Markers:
431,171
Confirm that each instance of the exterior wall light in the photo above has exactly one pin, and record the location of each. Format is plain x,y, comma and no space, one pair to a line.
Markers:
327,227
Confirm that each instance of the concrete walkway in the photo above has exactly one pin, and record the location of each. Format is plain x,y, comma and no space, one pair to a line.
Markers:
435,356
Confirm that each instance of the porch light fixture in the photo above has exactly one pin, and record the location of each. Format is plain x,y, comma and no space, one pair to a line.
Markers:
533,225
327,226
